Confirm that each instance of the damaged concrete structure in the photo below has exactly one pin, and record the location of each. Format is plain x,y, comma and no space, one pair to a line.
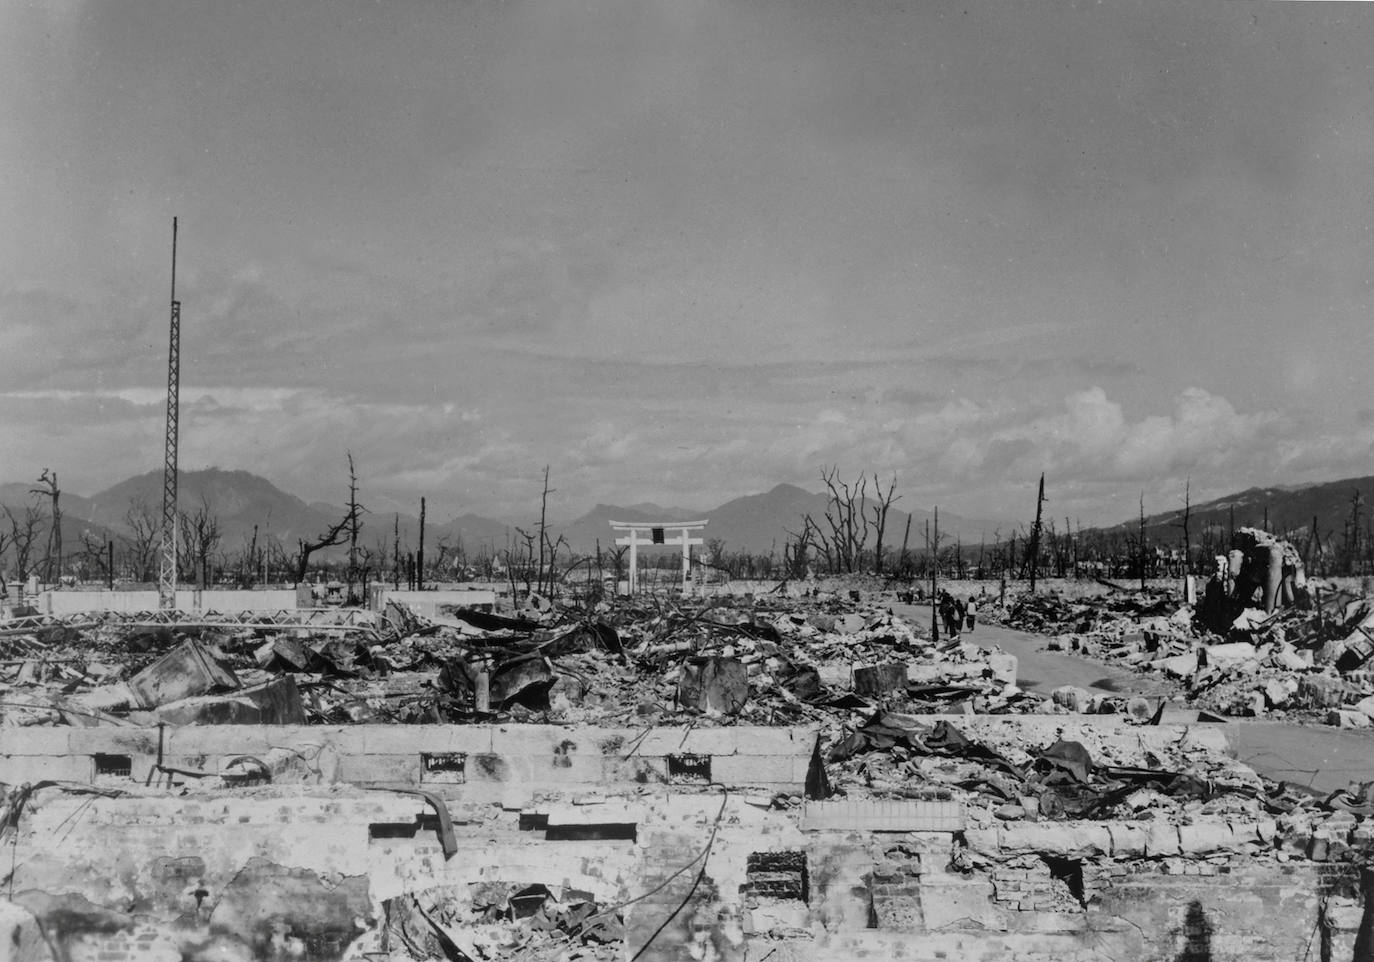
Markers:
345,843
770,780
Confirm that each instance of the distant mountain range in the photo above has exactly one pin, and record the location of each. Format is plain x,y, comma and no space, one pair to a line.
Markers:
756,523
1286,510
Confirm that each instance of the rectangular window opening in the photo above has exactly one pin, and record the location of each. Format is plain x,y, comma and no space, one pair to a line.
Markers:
119,766
450,768
427,822
779,875
534,821
690,768
608,831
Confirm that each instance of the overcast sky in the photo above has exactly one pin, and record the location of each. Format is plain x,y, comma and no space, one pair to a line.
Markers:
683,250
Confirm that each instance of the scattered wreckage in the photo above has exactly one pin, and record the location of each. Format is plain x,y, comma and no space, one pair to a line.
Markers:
1025,803
1263,640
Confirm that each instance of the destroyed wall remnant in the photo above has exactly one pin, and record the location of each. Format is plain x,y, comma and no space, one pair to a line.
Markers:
906,823
76,601
177,873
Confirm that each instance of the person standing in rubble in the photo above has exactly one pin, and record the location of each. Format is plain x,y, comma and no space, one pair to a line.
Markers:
949,614
971,613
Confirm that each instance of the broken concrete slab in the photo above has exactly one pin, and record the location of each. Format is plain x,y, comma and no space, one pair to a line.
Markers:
1227,655
880,679
277,702
185,671
714,684
1321,691
1348,718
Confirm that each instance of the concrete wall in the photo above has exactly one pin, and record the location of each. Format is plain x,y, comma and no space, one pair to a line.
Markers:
244,874
76,602
428,603
512,764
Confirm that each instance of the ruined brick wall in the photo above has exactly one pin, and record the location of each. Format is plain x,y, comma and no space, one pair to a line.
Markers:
305,871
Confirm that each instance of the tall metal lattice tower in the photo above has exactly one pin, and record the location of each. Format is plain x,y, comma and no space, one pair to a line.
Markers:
167,574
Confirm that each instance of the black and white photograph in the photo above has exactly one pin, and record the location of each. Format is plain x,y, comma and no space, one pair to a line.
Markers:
702,480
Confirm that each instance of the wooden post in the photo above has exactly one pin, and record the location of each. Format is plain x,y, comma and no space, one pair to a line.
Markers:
934,566
1034,550
686,561
1142,541
420,552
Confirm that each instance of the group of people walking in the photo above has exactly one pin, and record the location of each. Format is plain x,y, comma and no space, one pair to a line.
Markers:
956,613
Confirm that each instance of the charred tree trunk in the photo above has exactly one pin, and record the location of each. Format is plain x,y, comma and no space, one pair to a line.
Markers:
420,552
1033,552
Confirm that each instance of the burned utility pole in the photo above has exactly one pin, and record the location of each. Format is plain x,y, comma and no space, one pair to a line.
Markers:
934,548
1142,541
167,573
902,564
1033,552
420,552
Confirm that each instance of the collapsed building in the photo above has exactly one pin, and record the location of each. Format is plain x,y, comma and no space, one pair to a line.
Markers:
1263,640
748,779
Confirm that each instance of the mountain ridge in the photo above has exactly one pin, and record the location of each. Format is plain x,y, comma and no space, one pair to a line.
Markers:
757,523
241,500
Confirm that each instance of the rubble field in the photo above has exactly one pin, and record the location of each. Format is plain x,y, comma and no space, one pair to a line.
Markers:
744,778
1301,653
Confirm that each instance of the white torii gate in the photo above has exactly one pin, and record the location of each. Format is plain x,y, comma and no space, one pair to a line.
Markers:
656,532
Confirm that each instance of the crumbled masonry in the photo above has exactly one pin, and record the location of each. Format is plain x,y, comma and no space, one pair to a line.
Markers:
748,777
1307,658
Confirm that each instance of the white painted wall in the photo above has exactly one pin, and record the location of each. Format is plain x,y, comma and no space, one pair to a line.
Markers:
427,603
75,602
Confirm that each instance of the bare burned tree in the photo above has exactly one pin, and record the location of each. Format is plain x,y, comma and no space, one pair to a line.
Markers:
1184,524
1033,549
617,557
54,554
796,551
1352,533
448,553
201,534
24,531
142,539
420,552
520,559
543,527
5,541
879,516
1142,541
97,555
336,534
249,564
355,523
276,560
903,564
844,515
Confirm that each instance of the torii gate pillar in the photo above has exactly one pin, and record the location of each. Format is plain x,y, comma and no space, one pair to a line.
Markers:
656,532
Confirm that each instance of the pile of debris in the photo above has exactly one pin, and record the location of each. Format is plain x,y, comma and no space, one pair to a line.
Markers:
496,921
753,662
1262,640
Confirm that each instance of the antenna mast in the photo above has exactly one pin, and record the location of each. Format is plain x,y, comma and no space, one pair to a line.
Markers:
167,574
